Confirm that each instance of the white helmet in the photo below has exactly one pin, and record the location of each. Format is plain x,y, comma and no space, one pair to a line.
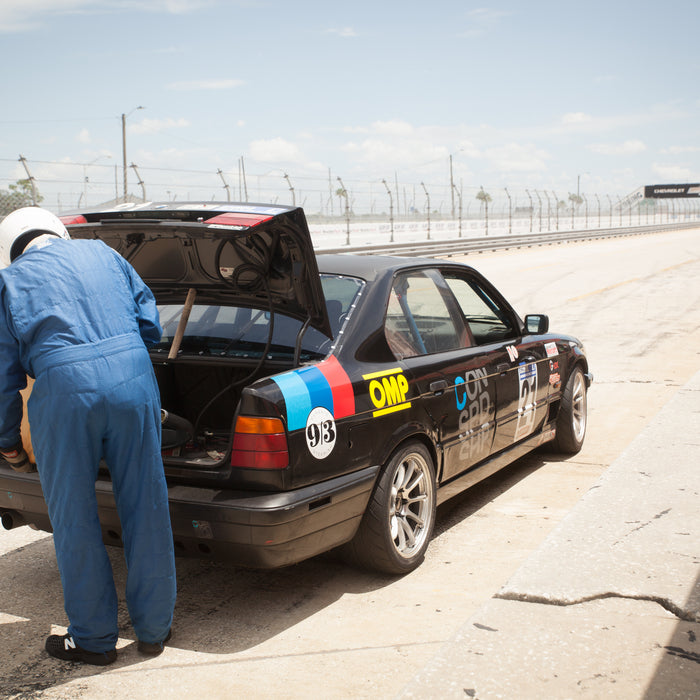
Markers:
21,226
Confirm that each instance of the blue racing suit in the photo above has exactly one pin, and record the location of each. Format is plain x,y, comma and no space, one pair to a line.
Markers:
75,316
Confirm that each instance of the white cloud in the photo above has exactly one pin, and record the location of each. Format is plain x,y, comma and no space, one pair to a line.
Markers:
671,173
393,127
626,148
576,118
481,20
515,157
676,150
83,136
28,15
206,84
272,150
150,125
345,32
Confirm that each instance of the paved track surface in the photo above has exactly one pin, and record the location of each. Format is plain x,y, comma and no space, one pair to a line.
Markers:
321,629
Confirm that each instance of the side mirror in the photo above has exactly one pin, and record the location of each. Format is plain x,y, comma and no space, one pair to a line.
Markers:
536,324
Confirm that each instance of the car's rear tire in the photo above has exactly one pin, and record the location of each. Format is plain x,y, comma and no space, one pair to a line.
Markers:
397,526
572,417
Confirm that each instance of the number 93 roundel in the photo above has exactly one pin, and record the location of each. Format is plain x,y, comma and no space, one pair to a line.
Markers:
320,432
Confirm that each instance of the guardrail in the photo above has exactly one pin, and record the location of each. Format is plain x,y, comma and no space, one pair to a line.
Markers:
462,246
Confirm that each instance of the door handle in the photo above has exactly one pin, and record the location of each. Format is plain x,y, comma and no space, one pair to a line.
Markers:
438,386
502,368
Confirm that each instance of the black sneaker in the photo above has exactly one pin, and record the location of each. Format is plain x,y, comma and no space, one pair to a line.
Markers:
66,648
153,648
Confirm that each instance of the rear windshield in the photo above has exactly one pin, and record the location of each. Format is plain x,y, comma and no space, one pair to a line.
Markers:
242,332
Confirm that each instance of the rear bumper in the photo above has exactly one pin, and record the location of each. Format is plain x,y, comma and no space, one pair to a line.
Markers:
261,530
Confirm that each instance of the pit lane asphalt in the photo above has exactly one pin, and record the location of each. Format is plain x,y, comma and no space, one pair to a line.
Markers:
323,630
609,606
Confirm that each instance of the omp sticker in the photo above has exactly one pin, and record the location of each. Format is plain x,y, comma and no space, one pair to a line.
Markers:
551,349
325,385
387,391
320,432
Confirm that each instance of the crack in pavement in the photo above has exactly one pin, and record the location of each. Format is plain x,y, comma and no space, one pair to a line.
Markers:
670,606
643,525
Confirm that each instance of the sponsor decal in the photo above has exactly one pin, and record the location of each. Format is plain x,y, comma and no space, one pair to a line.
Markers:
551,349
512,352
553,365
470,386
325,385
527,380
387,391
555,378
320,432
476,412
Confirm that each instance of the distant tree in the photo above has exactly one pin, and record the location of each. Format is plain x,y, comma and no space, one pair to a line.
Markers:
485,197
19,194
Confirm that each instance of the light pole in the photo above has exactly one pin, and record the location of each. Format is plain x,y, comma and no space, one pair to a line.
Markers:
140,181
124,117
452,188
459,195
529,196
85,175
391,209
226,187
347,210
510,212
427,197
291,189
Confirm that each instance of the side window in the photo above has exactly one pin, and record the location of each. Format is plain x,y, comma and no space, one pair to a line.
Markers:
418,320
488,322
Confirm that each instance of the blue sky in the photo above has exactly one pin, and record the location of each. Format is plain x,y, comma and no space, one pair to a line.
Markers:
600,95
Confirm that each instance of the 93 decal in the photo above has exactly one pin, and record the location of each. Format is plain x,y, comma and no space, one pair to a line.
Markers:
320,432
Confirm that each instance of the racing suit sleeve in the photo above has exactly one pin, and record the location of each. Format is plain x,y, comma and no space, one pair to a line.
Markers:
13,378
146,309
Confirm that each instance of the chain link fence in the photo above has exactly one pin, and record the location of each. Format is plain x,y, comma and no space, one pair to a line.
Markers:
338,206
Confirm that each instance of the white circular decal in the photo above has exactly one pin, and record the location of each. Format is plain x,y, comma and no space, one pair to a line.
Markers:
320,432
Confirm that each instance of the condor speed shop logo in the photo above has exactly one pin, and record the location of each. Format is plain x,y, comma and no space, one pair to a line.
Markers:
387,391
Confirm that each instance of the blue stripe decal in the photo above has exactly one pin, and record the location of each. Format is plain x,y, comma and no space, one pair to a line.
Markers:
296,398
319,388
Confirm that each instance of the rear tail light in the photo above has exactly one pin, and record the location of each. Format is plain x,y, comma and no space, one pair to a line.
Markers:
259,443
237,219
69,220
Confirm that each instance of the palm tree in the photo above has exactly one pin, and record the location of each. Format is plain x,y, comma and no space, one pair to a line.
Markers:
485,197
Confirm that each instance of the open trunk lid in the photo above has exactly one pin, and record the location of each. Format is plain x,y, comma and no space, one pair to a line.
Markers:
254,255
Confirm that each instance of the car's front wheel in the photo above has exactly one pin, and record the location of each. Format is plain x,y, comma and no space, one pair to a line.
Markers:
396,528
572,417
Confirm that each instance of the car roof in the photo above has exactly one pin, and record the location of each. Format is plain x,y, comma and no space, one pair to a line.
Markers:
371,267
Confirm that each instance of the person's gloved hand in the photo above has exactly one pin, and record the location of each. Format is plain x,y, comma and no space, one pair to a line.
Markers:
18,459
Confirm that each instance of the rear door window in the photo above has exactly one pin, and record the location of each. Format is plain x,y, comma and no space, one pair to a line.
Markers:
243,332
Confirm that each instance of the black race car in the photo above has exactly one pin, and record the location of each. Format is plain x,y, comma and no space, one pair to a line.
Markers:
312,401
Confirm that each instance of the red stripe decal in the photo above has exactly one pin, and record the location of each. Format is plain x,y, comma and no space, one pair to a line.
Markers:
343,395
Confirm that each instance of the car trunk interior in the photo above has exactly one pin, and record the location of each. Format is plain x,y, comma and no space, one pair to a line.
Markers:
206,395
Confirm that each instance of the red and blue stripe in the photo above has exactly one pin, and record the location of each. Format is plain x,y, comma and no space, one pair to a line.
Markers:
325,384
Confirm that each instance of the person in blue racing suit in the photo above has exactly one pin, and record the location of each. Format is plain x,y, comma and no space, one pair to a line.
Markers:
75,316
